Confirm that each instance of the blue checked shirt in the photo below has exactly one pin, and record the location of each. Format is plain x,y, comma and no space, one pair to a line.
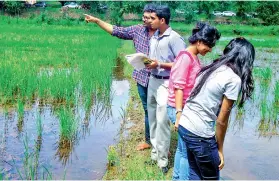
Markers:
139,35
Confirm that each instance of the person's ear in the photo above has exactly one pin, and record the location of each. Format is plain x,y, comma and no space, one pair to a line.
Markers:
163,20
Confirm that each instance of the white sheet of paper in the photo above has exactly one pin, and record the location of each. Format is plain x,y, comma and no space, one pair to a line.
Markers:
136,60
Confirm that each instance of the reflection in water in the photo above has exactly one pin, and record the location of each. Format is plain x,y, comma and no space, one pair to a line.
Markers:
238,123
20,124
20,115
68,125
252,152
38,146
64,150
98,110
118,70
102,112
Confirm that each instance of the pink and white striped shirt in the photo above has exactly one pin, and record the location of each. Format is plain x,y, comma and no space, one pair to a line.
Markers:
183,75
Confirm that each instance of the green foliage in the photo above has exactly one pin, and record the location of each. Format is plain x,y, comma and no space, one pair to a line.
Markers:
245,7
134,6
190,15
13,7
117,11
269,12
188,8
112,156
225,5
208,7
241,9
276,93
68,124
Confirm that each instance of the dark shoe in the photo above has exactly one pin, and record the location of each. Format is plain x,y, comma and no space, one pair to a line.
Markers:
165,170
150,162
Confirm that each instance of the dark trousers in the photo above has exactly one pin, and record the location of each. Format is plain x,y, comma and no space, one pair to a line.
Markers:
202,154
143,96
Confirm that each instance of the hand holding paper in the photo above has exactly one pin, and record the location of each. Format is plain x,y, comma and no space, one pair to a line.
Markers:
138,60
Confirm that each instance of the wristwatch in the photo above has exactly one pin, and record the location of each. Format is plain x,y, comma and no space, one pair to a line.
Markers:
178,110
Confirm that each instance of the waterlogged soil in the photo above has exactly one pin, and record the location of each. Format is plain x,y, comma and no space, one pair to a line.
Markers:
85,158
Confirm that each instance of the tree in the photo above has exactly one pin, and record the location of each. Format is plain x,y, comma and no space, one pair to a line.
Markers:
13,7
244,7
62,3
117,11
208,7
225,5
269,12
189,9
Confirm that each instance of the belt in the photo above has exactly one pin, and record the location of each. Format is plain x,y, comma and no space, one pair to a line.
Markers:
160,77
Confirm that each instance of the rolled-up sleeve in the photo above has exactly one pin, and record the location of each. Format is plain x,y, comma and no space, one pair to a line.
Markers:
179,71
126,33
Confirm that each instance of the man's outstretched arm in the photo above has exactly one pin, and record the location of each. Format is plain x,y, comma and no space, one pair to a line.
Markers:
105,26
126,33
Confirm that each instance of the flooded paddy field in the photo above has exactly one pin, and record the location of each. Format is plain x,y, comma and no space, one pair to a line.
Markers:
61,105
251,143
62,101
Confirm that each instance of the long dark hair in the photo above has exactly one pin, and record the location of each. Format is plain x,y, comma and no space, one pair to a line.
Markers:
239,55
205,33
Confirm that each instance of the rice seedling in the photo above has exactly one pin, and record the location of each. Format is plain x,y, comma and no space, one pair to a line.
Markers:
68,123
31,163
1,175
20,112
239,120
39,126
276,93
46,174
85,61
112,156
264,110
265,79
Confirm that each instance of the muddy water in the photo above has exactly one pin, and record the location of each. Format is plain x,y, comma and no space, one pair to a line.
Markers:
248,156
85,159
249,153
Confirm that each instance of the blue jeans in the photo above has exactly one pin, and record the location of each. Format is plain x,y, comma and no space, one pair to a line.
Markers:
181,165
143,96
202,154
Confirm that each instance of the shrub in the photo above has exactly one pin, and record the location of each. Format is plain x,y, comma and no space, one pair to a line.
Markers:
13,7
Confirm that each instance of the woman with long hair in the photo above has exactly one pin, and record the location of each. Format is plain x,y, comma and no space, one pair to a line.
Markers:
217,87
182,80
